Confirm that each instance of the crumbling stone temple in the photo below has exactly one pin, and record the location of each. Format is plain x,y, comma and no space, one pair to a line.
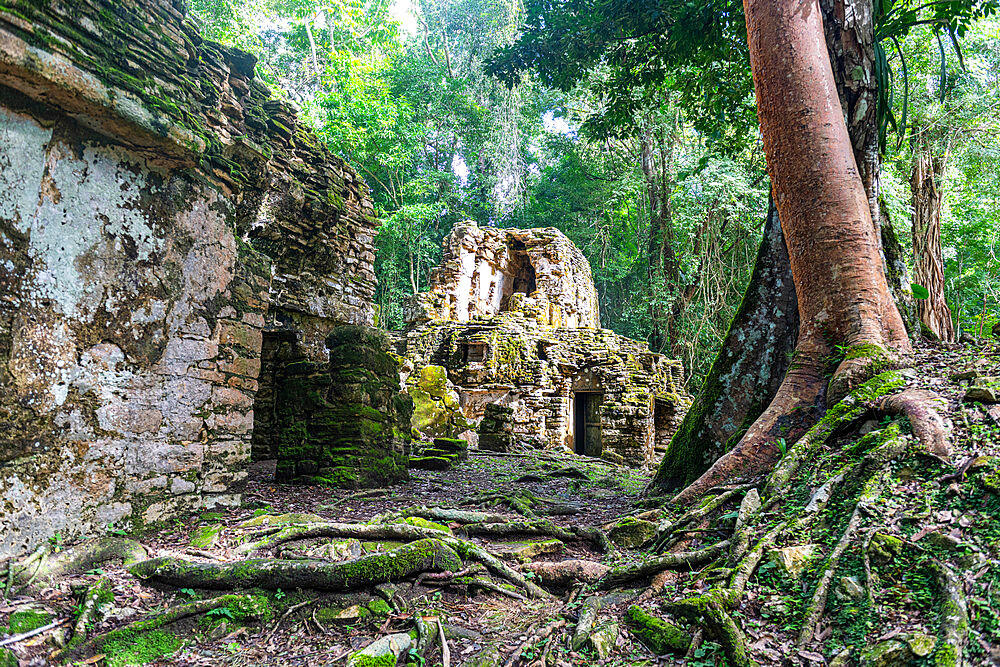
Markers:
179,257
512,316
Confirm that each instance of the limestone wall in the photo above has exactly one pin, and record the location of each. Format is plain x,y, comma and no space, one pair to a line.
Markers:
486,272
159,215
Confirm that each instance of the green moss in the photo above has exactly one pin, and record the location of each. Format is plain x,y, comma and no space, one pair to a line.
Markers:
123,647
424,523
658,635
379,607
27,620
362,660
205,537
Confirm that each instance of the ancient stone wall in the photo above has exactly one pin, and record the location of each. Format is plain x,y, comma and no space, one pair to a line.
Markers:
537,371
486,272
160,215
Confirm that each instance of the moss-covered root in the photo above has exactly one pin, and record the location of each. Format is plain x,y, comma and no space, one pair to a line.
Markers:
954,618
814,612
659,636
841,415
400,532
709,611
132,630
589,611
98,595
470,551
647,568
860,364
446,514
420,556
667,527
80,558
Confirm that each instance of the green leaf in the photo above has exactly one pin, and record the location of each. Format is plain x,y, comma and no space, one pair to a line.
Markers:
919,291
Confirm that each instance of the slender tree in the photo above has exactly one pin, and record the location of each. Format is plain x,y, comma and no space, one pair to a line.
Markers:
928,261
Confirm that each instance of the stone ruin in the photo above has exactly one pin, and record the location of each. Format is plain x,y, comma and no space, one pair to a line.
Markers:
176,249
512,318
187,282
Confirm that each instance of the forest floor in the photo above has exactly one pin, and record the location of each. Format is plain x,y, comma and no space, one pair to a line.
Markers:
954,519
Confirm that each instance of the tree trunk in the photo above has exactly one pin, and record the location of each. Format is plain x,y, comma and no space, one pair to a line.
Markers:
662,263
748,371
844,301
850,39
928,262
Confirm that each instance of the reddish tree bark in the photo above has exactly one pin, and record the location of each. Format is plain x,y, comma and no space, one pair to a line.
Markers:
843,298
928,262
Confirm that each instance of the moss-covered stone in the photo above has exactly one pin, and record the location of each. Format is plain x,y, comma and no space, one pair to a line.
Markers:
793,561
205,537
525,551
631,533
658,635
383,652
346,425
437,412
888,653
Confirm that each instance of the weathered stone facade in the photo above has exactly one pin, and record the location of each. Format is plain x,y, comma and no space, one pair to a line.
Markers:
564,382
488,271
162,220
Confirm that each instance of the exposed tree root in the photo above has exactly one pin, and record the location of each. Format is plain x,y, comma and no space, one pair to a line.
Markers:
396,532
837,418
446,514
542,527
709,611
540,635
923,410
271,574
171,615
954,617
471,551
816,607
667,528
589,611
523,502
566,573
95,596
647,568
794,408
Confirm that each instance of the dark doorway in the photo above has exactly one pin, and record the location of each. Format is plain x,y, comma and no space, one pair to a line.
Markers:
587,423
664,423
278,349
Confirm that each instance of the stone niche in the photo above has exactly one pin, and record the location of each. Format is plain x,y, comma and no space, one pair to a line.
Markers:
536,370
172,241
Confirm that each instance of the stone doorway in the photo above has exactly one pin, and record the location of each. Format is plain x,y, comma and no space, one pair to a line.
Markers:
587,423
278,349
